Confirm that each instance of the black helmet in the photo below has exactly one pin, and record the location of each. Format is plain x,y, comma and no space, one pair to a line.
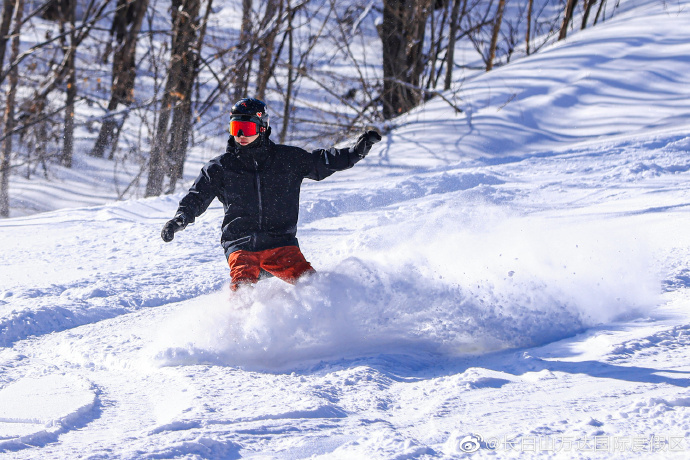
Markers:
250,109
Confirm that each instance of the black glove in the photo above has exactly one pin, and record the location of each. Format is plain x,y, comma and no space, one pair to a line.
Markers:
365,141
172,226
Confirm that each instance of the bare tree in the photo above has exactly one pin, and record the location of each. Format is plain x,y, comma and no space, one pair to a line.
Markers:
125,29
8,118
528,31
494,35
243,55
437,33
587,10
257,41
567,17
540,24
181,126
45,136
452,37
69,39
185,19
55,9
33,109
402,37
5,22
602,6
290,75
268,31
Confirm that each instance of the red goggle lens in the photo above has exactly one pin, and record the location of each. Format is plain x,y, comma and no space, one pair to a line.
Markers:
248,128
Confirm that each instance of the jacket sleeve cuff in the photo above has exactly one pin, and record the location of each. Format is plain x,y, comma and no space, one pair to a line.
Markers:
182,218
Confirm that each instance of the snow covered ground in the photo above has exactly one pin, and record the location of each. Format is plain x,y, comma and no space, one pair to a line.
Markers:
508,282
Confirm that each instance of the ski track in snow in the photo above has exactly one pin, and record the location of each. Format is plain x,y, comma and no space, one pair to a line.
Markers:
534,290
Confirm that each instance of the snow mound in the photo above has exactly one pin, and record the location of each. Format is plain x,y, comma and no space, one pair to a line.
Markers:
505,282
35,411
399,190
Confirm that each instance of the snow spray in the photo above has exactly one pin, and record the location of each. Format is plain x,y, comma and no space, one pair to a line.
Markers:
463,280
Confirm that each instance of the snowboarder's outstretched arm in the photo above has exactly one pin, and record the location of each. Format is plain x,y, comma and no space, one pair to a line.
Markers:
200,196
329,161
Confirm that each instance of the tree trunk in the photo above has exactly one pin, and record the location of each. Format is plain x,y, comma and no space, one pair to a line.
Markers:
290,77
494,34
5,23
436,45
182,115
602,4
68,144
182,60
450,55
154,184
588,9
126,26
55,10
243,53
180,128
182,122
568,16
528,33
8,118
270,26
402,36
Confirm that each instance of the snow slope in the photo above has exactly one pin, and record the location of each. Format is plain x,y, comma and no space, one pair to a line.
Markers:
510,281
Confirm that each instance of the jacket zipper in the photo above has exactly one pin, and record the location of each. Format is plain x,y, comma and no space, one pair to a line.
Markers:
258,190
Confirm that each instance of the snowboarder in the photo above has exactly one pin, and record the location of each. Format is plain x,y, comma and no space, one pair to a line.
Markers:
258,183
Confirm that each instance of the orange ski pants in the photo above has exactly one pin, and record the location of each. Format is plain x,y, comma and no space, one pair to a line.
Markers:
287,263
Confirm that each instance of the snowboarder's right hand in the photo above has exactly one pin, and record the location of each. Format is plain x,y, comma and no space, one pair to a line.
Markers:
172,226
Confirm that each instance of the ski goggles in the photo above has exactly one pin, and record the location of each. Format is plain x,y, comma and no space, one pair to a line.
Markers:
246,128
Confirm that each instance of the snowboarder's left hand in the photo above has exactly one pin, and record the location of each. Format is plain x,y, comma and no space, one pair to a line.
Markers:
365,141
172,226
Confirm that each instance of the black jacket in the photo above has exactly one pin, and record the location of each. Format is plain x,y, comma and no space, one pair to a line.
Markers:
259,188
